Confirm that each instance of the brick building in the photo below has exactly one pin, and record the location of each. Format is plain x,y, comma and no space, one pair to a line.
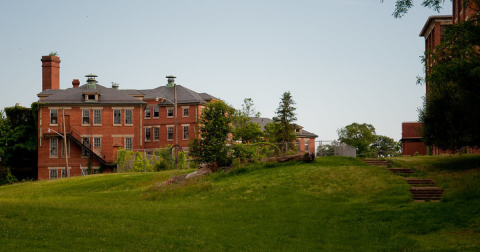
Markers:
305,139
95,121
433,32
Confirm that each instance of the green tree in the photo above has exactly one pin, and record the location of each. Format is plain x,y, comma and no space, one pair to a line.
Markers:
285,118
402,6
243,128
386,146
213,144
449,115
360,136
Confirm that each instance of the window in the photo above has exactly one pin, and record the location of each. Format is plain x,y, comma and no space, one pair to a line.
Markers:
298,144
156,133
147,112
53,147
185,132
84,172
63,173
170,133
128,116
86,142
147,134
185,112
53,116
97,116
169,112
155,112
97,142
68,148
128,143
307,143
53,174
91,97
86,116
117,116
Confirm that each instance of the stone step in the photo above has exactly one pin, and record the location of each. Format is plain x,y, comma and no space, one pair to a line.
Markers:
426,193
416,181
401,170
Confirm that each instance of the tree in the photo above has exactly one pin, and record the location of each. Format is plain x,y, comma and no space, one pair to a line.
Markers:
386,146
285,118
449,115
213,144
18,139
360,136
243,128
402,6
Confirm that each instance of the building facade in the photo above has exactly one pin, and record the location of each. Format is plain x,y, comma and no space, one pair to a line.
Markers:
94,121
433,33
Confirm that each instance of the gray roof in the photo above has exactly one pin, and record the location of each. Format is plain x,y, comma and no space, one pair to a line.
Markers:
75,96
262,121
184,95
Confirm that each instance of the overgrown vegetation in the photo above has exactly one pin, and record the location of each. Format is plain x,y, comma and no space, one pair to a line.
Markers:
449,122
332,204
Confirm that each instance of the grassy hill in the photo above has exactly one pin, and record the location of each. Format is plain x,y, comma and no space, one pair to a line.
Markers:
333,204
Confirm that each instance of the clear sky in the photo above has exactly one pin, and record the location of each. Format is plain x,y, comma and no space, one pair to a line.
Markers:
344,61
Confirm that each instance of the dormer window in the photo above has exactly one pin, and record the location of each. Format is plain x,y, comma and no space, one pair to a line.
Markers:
91,97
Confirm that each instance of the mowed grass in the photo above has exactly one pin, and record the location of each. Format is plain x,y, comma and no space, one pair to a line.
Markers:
332,204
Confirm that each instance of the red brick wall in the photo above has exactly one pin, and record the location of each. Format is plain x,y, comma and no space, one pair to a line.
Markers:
50,72
409,148
411,129
110,135
163,121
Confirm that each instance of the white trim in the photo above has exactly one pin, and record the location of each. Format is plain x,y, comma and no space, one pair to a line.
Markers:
123,136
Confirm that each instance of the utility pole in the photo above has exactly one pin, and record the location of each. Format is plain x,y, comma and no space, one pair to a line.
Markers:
65,144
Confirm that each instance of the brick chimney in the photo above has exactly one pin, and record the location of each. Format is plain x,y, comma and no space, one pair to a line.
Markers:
75,83
50,72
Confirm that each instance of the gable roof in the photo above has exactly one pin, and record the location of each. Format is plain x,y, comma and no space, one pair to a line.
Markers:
262,121
184,95
76,96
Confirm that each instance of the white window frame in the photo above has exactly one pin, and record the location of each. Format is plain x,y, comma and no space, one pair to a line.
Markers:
170,132
156,133
168,112
85,114
148,112
53,147
307,145
97,117
52,111
128,118
185,133
117,114
148,134
85,153
128,143
156,112
97,142
183,112
53,174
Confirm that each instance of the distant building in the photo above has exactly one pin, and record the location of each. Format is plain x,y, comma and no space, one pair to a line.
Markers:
99,120
433,32
305,140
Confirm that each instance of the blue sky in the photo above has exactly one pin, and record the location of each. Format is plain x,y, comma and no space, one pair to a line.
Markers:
343,61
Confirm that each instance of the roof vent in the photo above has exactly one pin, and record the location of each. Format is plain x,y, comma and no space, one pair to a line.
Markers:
91,82
171,80
115,85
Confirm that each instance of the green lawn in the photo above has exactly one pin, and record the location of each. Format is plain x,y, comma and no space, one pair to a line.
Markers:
333,204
